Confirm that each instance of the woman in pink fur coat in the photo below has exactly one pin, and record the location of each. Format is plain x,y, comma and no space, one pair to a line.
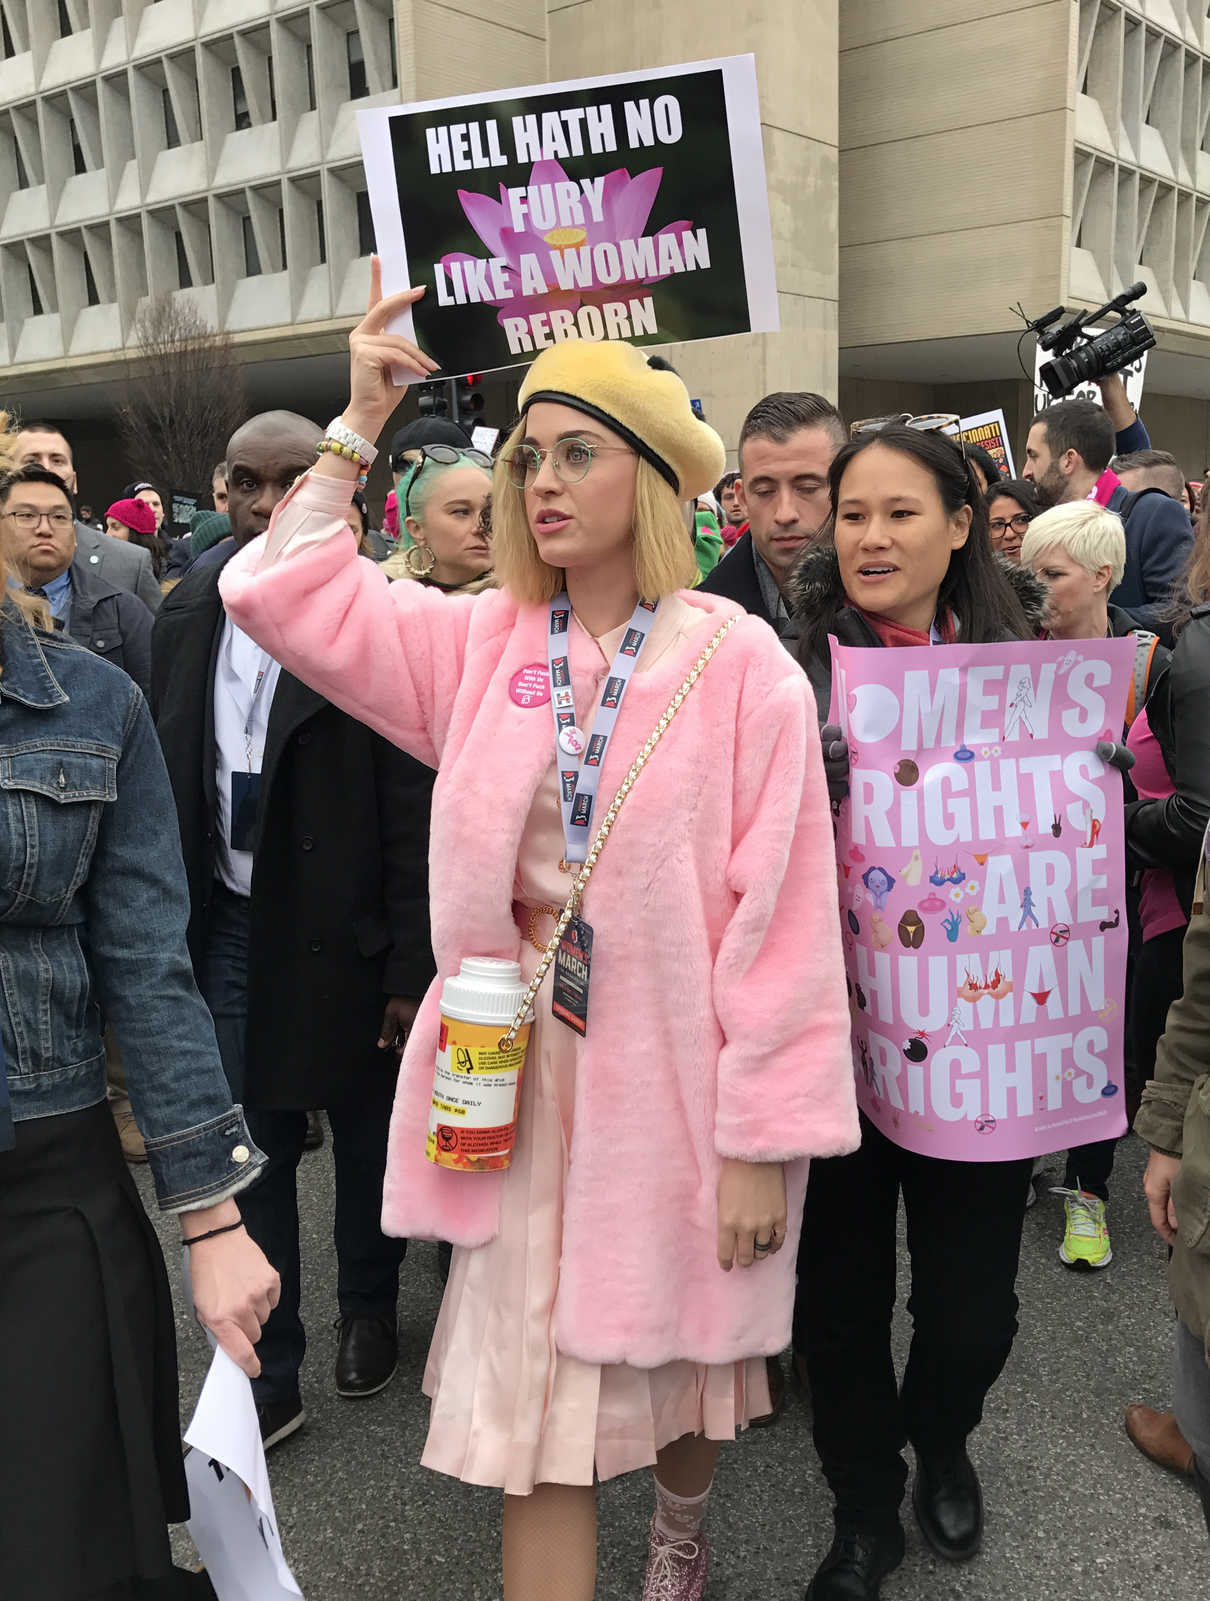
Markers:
615,1291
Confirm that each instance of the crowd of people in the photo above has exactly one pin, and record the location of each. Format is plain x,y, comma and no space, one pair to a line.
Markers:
270,782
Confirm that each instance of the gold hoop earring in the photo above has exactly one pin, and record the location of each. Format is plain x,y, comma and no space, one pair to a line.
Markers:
425,553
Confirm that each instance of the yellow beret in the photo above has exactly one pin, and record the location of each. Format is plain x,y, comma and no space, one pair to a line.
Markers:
649,407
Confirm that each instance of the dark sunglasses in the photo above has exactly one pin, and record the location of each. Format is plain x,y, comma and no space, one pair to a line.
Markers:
445,456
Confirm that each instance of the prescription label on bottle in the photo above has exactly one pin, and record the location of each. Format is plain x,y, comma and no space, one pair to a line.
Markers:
476,1088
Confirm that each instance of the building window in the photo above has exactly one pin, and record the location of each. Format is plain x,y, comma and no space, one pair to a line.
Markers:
281,237
310,78
322,232
272,90
65,27
239,101
359,84
183,276
92,294
79,164
19,164
35,299
252,267
7,47
365,224
394,80
172,134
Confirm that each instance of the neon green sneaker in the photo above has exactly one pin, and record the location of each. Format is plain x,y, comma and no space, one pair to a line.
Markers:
1086,1243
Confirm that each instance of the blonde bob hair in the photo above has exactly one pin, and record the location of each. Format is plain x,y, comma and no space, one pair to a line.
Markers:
31,607
1091,535
663,545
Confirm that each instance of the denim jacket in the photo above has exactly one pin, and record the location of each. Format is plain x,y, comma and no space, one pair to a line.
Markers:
92,919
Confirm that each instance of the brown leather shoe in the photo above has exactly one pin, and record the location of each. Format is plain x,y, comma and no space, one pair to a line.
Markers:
1159,1438
133,1148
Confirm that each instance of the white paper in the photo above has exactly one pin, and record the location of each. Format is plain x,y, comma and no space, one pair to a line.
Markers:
484,439
1133,376
232,1520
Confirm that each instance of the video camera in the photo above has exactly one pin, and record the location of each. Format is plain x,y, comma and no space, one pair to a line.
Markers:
1083,357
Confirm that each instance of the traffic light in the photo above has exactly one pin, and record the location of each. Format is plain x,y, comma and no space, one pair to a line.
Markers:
470,396
434,399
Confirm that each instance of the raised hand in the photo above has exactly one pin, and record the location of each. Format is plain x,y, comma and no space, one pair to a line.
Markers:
374,356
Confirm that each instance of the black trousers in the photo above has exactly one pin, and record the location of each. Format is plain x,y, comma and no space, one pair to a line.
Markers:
368,1261
964,1234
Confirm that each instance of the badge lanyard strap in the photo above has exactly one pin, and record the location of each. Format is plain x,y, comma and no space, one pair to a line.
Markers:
261,675
580,774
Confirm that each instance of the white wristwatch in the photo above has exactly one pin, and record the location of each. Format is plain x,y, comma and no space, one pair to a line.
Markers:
337,431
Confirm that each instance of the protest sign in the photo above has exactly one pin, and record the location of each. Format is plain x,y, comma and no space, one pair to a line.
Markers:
980,863
989,430
231,1516
624,207
1132,375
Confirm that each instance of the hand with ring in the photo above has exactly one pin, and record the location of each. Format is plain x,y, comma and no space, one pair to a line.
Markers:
751,1212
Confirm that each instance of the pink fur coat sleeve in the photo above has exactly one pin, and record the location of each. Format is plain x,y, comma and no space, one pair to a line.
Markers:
391,655
785,1072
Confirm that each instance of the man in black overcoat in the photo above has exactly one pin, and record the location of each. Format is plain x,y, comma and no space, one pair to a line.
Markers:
305,838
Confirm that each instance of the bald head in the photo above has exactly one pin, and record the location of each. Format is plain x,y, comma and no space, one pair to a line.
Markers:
264,457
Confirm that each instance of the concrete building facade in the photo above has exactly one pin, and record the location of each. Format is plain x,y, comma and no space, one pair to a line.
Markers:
929,167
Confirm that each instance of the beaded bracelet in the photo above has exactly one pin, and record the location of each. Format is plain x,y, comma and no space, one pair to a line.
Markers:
227,1228
338,449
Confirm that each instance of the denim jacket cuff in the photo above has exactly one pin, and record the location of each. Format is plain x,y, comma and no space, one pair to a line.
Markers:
200,1166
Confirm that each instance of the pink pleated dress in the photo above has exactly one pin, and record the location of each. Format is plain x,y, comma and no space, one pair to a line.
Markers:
509,1409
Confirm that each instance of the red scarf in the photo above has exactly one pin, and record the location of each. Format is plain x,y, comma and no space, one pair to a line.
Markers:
892,633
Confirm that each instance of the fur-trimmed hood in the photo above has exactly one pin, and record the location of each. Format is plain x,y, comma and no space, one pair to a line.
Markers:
816,580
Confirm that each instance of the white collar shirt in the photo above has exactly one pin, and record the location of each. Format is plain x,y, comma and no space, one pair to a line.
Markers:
245,681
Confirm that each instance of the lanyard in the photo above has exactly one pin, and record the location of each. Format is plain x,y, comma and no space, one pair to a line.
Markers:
236,677
578,783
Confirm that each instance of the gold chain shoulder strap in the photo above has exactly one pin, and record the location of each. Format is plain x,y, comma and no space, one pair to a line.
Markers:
611,816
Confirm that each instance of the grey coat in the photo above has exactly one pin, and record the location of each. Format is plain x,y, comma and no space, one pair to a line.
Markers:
110,622
119,563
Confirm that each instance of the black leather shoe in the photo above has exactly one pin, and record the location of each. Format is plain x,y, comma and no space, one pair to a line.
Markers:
279,1420
858,1562
949,1504
367,1356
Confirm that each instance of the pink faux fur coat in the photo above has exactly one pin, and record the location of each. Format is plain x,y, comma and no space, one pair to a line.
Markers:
719,1024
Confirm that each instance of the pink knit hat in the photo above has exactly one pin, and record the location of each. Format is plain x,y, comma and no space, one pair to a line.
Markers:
136,514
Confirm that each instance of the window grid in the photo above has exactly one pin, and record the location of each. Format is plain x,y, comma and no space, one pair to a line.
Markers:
1141,162
98,159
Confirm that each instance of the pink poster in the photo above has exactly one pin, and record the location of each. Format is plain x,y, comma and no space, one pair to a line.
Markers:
982,893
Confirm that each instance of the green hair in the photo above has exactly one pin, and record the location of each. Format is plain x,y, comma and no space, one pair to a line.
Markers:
424,474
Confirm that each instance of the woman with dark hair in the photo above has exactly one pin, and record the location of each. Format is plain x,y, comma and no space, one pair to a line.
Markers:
133,521
911,565
1012,505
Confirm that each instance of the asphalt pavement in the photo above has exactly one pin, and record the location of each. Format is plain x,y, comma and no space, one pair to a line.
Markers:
1073,1512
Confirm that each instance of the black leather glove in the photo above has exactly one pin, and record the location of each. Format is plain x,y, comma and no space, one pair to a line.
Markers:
1114,755
835,761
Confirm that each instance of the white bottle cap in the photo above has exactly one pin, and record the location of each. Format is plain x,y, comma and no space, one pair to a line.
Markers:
488,989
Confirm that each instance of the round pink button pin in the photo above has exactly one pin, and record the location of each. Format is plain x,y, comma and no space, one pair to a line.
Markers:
530,686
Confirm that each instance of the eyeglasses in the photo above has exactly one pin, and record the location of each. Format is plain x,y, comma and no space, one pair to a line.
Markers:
1018,523
570,458
60,521
929,422
444,456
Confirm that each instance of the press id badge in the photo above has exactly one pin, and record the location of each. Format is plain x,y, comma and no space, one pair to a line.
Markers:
245,797
573,964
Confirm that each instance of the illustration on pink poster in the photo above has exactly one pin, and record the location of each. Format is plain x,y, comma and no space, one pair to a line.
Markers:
980,865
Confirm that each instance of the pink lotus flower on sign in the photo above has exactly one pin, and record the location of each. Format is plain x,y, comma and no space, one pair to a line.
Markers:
562,233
